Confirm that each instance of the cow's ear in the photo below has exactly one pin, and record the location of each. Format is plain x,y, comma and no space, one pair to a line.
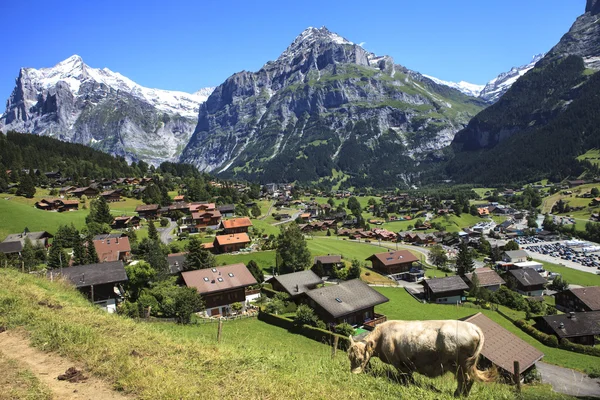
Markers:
369,347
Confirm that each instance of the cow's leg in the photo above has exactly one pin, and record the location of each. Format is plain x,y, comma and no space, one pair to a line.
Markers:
461,378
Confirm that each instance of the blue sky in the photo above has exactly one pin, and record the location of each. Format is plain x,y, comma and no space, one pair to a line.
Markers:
186,45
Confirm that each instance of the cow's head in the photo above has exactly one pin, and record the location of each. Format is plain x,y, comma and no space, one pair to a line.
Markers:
359,354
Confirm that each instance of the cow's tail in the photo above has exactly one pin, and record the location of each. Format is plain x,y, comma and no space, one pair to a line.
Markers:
488,375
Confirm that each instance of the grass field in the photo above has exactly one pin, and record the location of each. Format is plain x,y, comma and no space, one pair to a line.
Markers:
572,275
404,307
17,382
264,259
572,198
167,361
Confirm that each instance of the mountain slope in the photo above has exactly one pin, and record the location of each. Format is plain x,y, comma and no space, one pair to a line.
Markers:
76,103
326,104
496,88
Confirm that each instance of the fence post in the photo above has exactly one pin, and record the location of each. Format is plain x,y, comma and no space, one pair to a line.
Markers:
517,376
219,331
335,345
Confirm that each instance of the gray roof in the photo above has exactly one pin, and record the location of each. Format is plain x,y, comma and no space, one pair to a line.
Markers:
328,259
298,282
226,208
527,276
95,274
582,324
176,262
33,236
447,284
516,254
346,298
105,236
11,247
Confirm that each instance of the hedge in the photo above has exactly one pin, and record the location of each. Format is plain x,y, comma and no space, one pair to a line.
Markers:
566,344
270,293
548,340
311,332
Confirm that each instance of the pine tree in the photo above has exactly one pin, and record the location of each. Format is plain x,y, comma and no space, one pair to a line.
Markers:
475,286
57,258
152,232
198,257
92,256
292,250
79,252
101,211
255,211
464,260
255,270
354,271
28,255
26,187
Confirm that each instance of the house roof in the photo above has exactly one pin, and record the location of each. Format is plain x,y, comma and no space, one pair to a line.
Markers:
95,274
11,247
83,189
394,257
176,261
146,207
590,296
346,297
236,223
218,279
110,192
574,324
298,282
202,206
487,277
226,208
33,236
111,248
234,238
202,213
527,276
516,254
328,259
502,347
446,284
104,236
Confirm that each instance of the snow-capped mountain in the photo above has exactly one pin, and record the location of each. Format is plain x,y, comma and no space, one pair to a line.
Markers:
470,89
104,109
499,85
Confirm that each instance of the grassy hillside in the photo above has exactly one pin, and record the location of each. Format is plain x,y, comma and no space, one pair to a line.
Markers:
166,361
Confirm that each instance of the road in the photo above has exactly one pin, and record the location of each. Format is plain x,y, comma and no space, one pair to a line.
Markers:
268,211
568,381
294,216
166,235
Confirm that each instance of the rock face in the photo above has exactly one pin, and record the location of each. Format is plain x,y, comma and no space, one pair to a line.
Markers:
103,109
326,104
593,7
500,85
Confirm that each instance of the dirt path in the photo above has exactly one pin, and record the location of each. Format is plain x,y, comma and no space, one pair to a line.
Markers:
568,381
47,366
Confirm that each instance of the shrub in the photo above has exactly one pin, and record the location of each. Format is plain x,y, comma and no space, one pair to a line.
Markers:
548,340
164,222
275,306
129,309
566,344
344,329
321,325
305,316
147,300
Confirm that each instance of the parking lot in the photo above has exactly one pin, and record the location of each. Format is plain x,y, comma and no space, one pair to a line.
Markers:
581,256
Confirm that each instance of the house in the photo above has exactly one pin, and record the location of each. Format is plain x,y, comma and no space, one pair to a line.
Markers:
305,217
37,239
111,195
236,225
99,282
396,263
296,283
125,221
579,300
328,262
176,261
203,219
488,279
502,348
576,327
577,182
59,205
515,256
53,174
201,207
227,210
528,281
448,290
483,211
147,211
220,287
231,243
63,191
88,191
112,248
351,301
178,198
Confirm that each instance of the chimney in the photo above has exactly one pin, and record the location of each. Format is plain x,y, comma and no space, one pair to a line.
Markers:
572,315
297,290
561,325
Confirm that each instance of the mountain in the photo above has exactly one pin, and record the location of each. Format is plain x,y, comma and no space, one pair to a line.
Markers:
500,85
76,103
470,89
327,107
544,121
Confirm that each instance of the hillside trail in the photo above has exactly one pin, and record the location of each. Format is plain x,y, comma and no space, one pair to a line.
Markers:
48,366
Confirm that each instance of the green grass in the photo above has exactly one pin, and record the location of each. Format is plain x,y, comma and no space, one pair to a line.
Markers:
573,276
264,259
167,361
265,227
481,191
454,223
17,382
592,156
404,307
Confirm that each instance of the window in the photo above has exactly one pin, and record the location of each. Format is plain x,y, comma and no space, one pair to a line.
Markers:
230,274
214,270
220,279
338,299
205,279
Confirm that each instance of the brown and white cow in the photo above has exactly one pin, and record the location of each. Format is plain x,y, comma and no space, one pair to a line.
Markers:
431,348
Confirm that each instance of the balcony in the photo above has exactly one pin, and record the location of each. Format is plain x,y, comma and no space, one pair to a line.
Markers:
372,323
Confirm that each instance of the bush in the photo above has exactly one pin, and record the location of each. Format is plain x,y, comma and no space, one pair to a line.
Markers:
305,316
129,309
275,306
164,222
147,300
321,325
548,340
344,329
579,348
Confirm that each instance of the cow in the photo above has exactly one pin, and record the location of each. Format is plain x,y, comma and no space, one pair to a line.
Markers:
431,348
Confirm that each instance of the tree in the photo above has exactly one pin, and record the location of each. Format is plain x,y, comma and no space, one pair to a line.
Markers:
152,232
79,253
164,222
464,260
438,256
255,211
344,329
92,256
292,250
595,192
318,269
187,302
57,258
139,275
26,187
354,205
496,254
241,210
511,245
475,286
99,212
28,255
355,270
559,284
198,257
305,316
255,270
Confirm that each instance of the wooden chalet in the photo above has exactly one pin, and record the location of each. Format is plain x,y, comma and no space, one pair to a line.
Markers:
231,243
97,281
126,222
59,205
401,264
220,287
329,262
88,191
448,290
203,219
179,197
201,207
579,300
112,247
227,210
236,225
148,211
111,196
295,284
14,242
528,281
487,277
63,191
576,327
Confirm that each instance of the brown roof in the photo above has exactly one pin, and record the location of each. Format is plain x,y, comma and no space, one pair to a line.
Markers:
328,259
69,202
178,198
110,249
590,296
487,277
527,277
236,223
395,257
66,202
211,214
502,347
219,279
146,207
202,206
109,192
446,284
232,239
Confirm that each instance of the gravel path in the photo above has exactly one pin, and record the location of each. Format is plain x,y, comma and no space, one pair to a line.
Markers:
568,381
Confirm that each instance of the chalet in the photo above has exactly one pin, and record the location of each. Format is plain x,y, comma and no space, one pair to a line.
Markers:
201,207
206,219
125,222
220,287
11,248
483,212
231,243
63,191
528,281
448,290
87,191
111,248
399,263
99,282
59,205
351,301
148,211
502,348
515,256
488,279
138,191
576,327
178,198
180,206
296,283
176,262
53,174
577,182
329,262
227,210
236,225
36,238
579,300
305,216
111,195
